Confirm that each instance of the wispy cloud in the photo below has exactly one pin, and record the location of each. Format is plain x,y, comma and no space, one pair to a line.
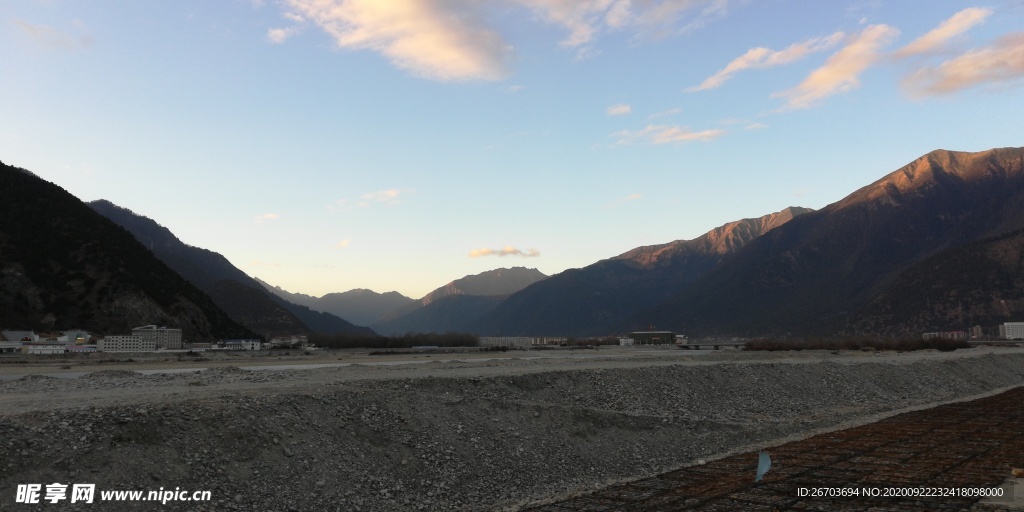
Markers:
664,113
758,58
53,38
935,39
755,126
433,39
999,64
504,251
450,40
619,110
342,244
842,70
389,196
279,35
266,217
664,134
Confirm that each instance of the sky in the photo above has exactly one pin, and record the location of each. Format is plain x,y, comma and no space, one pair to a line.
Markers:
326,145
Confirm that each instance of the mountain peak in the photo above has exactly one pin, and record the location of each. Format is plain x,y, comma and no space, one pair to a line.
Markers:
722,240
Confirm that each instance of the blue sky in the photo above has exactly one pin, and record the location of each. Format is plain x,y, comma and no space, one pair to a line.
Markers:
325,145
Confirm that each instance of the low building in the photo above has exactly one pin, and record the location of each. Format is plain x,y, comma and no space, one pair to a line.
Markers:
163,337
950,335
626,342
81,349
242,344
126,344
653,337
44,348
10,346
1012,331
505,341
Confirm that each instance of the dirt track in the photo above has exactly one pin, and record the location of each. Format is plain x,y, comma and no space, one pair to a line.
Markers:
474,432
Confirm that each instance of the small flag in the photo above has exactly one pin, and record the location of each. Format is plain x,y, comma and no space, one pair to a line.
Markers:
764,463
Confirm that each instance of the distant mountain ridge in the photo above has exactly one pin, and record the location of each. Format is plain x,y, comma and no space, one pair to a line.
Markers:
62,265
360,306
440,311
601,298
232,289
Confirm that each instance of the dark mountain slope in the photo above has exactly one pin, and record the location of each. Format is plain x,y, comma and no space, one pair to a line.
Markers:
233,290
978,284
63,265
810,274
601,298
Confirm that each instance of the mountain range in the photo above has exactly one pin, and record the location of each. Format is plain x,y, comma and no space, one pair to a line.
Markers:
64,266
234,291
935,245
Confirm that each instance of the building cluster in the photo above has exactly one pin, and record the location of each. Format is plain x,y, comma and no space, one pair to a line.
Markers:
1012,331
146,338
653,338
518,341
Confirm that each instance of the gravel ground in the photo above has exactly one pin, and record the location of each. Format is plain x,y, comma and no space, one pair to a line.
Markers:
487,434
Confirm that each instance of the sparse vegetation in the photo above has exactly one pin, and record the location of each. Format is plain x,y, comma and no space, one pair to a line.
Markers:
854,343
349,340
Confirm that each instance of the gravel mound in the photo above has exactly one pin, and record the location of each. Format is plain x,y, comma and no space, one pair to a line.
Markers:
465,443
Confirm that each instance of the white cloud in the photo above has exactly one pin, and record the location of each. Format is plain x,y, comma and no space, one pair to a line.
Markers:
260,219
505,251
435,39
342,244
619,110
755,126
279,35
766,58
935,39
664,134
842,70
1001,63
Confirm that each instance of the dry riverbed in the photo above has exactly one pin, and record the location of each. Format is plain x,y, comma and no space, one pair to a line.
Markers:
441,431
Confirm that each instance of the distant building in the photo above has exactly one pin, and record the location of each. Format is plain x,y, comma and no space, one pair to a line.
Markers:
951,335
44,348
653,337
626,342
126,344
1012,331
505,341
81,349
976,333
242,344
163,337
19,335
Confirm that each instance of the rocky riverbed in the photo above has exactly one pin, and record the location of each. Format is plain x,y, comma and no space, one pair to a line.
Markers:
491,435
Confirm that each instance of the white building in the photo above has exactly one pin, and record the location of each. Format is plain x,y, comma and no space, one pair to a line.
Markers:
161,336
242,344
44,348
1012,330
19,335
126,344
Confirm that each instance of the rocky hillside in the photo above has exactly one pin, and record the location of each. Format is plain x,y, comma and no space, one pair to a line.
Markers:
63,266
